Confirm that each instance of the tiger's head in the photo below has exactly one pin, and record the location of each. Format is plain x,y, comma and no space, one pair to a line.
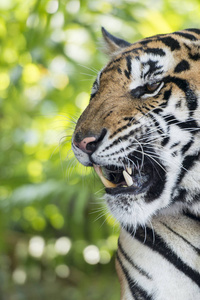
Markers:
141,129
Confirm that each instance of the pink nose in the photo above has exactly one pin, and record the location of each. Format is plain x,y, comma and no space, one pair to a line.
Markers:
83,144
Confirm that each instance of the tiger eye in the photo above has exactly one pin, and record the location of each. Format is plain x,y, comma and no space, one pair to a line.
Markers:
152,87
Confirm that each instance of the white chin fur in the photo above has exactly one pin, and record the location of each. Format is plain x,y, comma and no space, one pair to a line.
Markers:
131,211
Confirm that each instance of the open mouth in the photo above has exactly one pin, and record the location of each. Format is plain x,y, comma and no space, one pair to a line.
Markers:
130,179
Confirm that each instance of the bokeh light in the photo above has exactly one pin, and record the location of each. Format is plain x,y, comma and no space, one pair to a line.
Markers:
91,254
36,246
63,245
19,276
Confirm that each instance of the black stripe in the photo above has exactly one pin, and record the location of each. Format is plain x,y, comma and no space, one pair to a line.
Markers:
186,35
190,124
187,164
151,106
165,141
180,196
182,66
171,119
130,119
121,138
195,56
159,181
174,145
127,257
171,43
110,112
128,62
159,245
189,93
158,127
195,30
157,110
137,291
158,73
119,70
111,65
187,146
197,250
141,111
146,41
192,216
167,94
120,129
155,51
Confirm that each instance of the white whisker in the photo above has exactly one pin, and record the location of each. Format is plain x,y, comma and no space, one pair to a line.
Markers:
89,68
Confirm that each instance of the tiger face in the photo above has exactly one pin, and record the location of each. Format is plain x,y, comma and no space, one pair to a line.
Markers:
141,130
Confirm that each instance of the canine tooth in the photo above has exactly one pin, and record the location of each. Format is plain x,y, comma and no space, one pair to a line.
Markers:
129,170
105,181
98,170
128,178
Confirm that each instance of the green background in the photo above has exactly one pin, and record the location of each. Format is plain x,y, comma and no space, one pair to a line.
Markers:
57,240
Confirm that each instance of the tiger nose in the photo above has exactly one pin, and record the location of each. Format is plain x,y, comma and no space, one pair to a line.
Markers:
89,144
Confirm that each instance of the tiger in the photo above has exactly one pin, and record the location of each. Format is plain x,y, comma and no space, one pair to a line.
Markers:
141,134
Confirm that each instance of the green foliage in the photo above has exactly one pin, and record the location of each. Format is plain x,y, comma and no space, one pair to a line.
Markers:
56,239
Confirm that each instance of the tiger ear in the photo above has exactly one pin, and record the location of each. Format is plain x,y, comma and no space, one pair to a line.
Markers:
113,45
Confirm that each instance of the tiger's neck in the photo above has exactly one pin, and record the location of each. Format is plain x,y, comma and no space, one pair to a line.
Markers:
162,260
